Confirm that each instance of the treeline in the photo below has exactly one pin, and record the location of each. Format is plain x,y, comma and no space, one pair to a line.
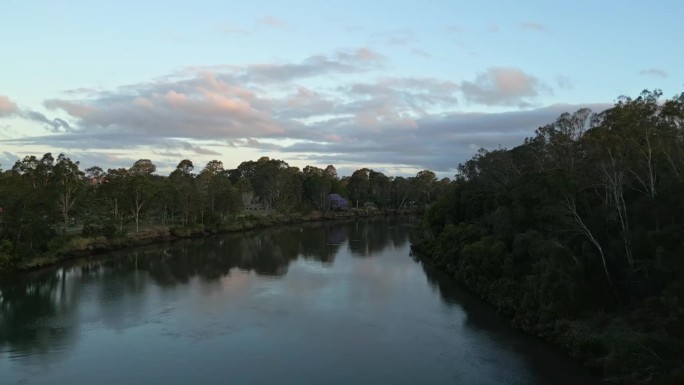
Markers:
578,235
44,201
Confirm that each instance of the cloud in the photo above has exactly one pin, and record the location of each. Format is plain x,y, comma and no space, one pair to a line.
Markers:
230,29
654,72
421,53
399,37
282,108
394,98
269,21
501,86
7,160
358,60
203,106
564,82
229,102
198,150
7,107
532,26
54,125
438,142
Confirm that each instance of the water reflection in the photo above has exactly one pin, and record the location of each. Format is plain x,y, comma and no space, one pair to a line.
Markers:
343,300
479,317
39,311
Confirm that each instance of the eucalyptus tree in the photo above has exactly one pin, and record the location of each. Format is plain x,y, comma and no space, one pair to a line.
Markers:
215,190
401,192
140,188
315,187
183,181
358,186
424,185
379,186
113,190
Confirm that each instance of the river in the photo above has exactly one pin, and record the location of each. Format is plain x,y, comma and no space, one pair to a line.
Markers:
323,303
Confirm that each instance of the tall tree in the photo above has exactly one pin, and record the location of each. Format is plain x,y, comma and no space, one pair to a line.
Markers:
140,187
69,182
183,182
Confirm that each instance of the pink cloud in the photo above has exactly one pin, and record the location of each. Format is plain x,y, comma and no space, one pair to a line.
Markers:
502,86
7,107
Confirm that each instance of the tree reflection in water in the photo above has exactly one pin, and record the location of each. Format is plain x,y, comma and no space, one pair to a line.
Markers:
39,312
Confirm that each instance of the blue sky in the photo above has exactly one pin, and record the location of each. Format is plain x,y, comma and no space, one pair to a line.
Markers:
395,86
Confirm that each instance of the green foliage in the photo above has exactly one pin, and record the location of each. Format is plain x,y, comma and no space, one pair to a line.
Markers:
6,254
577,234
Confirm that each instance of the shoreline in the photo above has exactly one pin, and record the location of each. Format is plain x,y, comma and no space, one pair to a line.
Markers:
78,247
555,341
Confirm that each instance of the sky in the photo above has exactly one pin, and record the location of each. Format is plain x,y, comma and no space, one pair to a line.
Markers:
396,86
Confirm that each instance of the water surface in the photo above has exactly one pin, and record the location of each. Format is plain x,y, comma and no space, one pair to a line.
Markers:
327,303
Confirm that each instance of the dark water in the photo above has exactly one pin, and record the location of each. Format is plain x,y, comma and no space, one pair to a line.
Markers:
326,303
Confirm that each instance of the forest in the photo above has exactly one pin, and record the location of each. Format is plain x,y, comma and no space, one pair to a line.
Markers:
49,204
577,235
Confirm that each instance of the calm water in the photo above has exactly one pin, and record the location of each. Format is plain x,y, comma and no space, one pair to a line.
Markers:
325,303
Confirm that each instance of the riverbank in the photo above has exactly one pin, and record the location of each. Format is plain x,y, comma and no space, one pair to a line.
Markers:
624,345
82,247
206,309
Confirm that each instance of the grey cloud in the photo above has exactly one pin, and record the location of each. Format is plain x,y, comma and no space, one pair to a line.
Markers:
54,125
564,82
532,26
273,22
169,154
9,108
421,53
398,99
654,72
403,36
341,62
198,149
230,29
7,160
358,60
438,142
503,86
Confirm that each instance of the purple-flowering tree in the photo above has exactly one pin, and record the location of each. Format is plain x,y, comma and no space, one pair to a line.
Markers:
337,202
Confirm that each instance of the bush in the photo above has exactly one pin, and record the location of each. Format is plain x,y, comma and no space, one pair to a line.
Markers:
7,258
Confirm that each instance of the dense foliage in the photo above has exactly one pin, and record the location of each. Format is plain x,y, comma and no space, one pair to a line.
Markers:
578,235
46,202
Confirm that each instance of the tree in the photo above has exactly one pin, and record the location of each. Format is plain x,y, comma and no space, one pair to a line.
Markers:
379,185
401,190
215,189
359,186
69,182
337,203
139,185
183,182
113,190
424,185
